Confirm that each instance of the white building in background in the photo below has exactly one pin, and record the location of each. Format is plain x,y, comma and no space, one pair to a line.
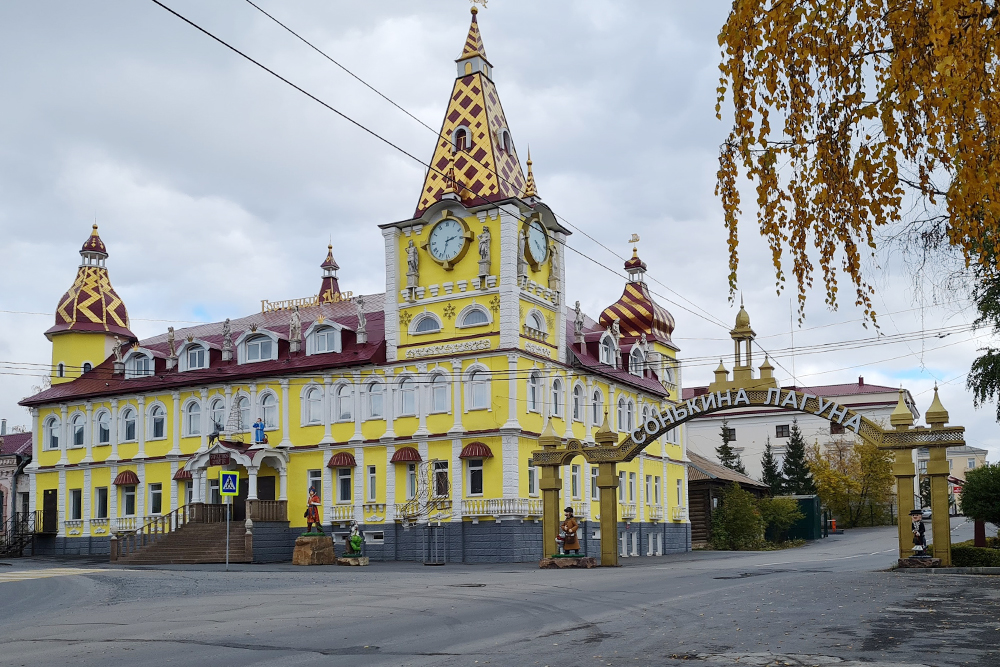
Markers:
751,427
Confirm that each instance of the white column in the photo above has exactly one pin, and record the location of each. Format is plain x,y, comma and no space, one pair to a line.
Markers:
612,409
85,510
229,405
61,508
283,484
510,321
254,411
567,403
456,401
286,441
421,403
391,236
389,406
327,411
177,418
512,383
640,489
457,480
588,410
356,402
88,433
140,492
174,500
112,496
63,430
328,496
360,478
114,433
511,466
390,485
252,482
37,437
140,429
206,421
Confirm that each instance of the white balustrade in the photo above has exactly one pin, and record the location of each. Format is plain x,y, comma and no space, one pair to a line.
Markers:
501,508
628,510
680,514
655,513
341,513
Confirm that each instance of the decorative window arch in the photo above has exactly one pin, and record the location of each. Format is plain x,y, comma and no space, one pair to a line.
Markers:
578,402
425,323
535,320
312,404
102,420
407,396
76,429
534,392
217,413
557,395
157,423
636,361
440,393
461,139
51,438
128,423
343,409
375,399
478,388
668,375
324,338
597,405
257,346
242,404
193,355
268,408
192,418
607,349
139,363
473,315
506,145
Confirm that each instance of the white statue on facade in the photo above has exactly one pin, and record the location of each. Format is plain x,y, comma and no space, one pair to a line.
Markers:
412,259
577,321
616,330
227,341
171,343
520,253
362,319
118,350
295,326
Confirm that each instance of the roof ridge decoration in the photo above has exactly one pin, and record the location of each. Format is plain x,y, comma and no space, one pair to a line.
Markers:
475,134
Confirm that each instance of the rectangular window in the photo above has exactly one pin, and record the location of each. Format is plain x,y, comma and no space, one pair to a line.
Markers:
375,401
970,464
574,477
922,466
101,502
656,490
439,395
595,491
731,433
314,479
475,477
621,486
836,429
441,486
532,480
631,487
155,498
680,493
214,497
75,504
189,492
648,488
343,485
128,500
372,481
949,464
782,431
411,481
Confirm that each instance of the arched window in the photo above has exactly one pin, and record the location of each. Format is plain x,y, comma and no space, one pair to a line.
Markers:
269,410
103,428
578,402
259,348
157,423
87,367
76,430
630,415
426,323
192,418
138,365
479,390
376,391
217,413
621,414
598,408
344,401
557,389
243,406
506,145
607,350
439,393
314,405
325,340
636,361
475,317
461,139
196,357
52,433
128,424
407,398
535,322
534,391
61,370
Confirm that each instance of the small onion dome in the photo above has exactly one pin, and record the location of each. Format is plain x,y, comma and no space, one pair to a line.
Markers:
94,244
476,450
406,455
638,313
936,414
342,460
634,263
742,318
182,475
126,478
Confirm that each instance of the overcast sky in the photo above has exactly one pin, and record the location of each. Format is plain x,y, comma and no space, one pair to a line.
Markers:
215,185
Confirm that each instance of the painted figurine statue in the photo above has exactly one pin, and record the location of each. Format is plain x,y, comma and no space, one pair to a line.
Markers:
258,432
354,540
569,528
919,533
312,512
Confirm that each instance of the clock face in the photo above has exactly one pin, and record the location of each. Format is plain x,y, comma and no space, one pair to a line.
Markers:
538,242
446,240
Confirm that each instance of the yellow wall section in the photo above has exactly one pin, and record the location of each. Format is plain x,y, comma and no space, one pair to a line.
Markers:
73,349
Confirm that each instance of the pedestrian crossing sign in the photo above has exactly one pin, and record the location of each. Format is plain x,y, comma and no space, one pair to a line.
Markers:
229,483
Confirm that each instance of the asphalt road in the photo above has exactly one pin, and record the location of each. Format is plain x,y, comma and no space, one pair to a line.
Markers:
828,603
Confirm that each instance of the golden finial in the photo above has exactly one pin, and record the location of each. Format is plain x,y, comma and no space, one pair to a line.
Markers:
475,10
633,241
901,417
530,190
936,415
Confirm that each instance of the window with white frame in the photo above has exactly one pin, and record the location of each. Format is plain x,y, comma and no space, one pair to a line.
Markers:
631,487
574,481
442,487
411,481
138,365
217,413
970,464
128,500
607,350
325,339
344,485
621,414
535,322
636,361
51,439
460,139
269,410
630,415
243,407
156,498
314,480
87,367
197,357
345,399
439,393
557,391
532,480
479,391
426,323
61,370
314,405
259,348
534,392
192,418
656,490
474,317
578,403
376,392
157,423
621,486
128,424
680,492
101,502
407,397
76,430
648,487
598,408
214,497
372,487
103,427
75,504
595,491
474,477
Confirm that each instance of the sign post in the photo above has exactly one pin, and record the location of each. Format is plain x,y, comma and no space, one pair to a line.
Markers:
229,484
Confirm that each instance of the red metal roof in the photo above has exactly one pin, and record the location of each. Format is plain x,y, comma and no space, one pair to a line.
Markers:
126,478
849,389
342,460
476,450
182,474
406,455
15,443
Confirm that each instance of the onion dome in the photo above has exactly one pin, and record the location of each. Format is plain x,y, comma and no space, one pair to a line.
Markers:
330,287
91,304
742,318
636,311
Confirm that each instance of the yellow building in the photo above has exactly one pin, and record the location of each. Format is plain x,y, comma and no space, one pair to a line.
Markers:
415,408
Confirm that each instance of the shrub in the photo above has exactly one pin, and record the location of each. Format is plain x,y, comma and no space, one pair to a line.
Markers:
737,524
981,494
967,556
779,514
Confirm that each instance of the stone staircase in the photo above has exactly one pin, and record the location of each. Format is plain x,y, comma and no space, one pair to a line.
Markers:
193,543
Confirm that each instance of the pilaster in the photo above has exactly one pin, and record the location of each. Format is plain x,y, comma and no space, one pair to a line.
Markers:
391,237
176,419
63,431
206,420
327,410
140,430
356,404
510,320
88,433
512,423
286,441
456,402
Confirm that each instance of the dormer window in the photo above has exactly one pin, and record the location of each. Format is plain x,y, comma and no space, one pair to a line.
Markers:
607,348
196,357
259,348
138,365
506,145
461,139
636,361
324,338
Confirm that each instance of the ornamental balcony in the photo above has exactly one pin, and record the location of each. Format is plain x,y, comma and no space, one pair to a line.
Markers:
655,512
628,511
502,508
581,509
127,524
535,334
342,514
679,514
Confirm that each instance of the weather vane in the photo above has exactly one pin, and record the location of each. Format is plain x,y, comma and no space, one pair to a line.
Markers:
479,2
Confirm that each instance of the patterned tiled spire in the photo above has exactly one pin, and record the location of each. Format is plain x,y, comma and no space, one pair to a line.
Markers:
529,186
474,42
91,304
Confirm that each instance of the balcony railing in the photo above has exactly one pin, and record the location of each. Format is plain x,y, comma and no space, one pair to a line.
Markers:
414,510
655,512
126,524
628,510
267,510
342,513
679,514
535,334
581,509
502,508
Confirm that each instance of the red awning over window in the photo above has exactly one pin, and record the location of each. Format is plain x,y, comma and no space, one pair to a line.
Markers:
406,455
182,474
126,478
475,450
342,460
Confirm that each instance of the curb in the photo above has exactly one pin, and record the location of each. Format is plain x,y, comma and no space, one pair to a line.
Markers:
952,570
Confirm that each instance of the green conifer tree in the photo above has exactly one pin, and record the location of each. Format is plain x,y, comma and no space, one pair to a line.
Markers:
795,469
727,455
772,472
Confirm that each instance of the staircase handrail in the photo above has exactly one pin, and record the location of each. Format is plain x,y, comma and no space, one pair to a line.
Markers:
155,530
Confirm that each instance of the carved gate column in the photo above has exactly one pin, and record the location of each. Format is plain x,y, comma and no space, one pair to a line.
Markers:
904,471
551,486
937,470
607,482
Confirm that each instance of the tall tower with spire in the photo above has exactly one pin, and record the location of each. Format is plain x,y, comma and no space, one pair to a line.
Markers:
91,318
330,287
